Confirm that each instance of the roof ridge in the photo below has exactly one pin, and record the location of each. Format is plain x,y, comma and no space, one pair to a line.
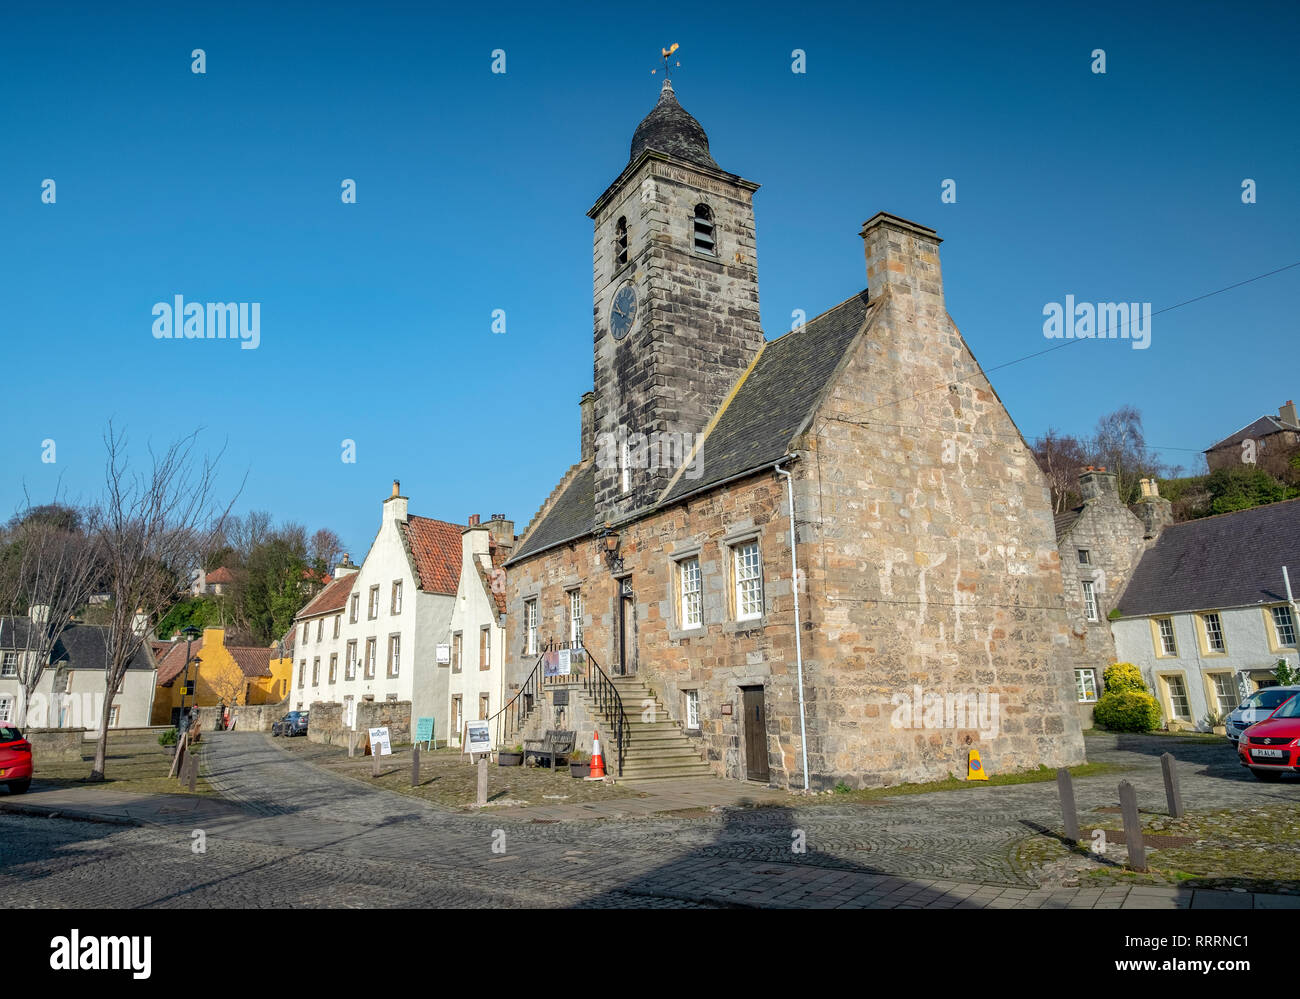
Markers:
821,315
547,503
1229,513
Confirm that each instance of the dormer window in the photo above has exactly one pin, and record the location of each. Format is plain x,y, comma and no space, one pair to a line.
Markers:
620,243
704,229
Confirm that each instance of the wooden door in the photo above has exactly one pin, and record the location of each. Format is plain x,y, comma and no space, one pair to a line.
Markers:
755,734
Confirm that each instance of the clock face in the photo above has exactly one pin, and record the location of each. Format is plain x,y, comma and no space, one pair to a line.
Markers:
622,312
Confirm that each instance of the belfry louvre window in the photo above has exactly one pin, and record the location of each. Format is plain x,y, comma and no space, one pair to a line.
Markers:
620,243
704,241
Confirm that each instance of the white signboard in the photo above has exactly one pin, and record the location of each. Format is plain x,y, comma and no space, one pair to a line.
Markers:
444,655
349,713
379,742
478,737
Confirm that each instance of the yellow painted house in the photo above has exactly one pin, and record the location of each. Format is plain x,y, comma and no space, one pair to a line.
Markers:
217,673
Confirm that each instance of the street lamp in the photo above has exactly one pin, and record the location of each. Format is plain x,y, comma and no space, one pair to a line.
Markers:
191,633
609,540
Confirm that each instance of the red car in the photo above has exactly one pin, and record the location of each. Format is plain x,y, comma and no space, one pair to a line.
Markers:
1271,748
15,759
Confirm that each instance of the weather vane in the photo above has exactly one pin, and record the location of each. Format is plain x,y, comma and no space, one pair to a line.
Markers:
666,54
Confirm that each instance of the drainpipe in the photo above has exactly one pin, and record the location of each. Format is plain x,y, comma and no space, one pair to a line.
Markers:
798,645
1295,613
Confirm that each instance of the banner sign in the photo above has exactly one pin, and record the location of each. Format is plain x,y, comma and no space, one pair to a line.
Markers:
559,662
444,655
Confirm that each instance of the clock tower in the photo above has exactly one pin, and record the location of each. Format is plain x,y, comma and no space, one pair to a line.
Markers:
676,319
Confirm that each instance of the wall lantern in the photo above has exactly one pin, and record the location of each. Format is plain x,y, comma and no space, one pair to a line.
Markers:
609,542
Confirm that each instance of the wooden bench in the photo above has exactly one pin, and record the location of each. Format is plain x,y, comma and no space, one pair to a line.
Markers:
554,744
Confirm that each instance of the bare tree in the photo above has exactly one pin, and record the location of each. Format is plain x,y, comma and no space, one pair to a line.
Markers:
50,570
1060,456
325,548
154,529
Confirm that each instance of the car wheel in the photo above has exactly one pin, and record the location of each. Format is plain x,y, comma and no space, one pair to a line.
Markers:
20,786
1266,775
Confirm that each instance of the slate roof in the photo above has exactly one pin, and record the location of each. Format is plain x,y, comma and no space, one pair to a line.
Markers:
670,129
1232,560
758,426
435,546
1262,427
1065,521
80,646
332,599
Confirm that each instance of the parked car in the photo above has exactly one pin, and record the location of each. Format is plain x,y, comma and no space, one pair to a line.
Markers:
1271,748
1256,708
15,759
294,723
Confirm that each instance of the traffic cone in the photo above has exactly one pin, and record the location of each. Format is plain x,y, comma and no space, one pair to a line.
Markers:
597,761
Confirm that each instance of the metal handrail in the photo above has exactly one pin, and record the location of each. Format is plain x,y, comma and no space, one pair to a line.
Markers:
597,685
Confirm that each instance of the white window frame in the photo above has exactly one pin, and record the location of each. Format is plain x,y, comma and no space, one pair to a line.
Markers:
394,655
350,661
1081,688
338,622
397,596
354,611
320,630
1232,695
1282,627
1222,648
1169,679
9,664
1090,600
1168,643
743,579
625,466
372,652
692,712
530,627
372,606
114,713
7,702
690,593
575,618
315,671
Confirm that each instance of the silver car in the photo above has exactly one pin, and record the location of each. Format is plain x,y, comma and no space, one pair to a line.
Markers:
1256,708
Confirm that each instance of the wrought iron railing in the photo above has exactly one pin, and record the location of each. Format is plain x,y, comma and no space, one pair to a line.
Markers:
598,687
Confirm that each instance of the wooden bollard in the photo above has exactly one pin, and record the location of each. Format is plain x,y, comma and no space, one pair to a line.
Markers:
192,772
374,761
415,767
1069,813
482,780
1137,851
1173,793
352,743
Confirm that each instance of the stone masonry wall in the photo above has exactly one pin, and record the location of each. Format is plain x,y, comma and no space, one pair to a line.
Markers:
325,723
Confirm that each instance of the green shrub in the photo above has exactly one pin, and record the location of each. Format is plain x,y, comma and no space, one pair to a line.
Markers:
842,788
167,738
1285,674
1120,677
1126,710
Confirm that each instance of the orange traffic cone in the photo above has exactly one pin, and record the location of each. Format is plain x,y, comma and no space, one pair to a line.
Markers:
597,761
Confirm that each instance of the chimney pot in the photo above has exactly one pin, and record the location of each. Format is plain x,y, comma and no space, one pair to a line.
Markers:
397,487
473,520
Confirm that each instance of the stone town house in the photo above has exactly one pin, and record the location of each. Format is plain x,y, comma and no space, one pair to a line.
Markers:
1100,542
476,684
924,552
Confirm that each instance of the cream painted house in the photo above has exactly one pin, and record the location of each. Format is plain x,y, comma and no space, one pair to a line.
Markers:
1206,614
477,684
373,633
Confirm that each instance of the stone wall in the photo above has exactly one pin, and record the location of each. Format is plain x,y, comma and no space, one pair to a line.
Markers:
245,717
326,721
63,745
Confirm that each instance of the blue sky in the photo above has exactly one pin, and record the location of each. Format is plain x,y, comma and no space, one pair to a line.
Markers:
472,193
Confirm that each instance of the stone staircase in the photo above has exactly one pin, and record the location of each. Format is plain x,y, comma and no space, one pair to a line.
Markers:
655,750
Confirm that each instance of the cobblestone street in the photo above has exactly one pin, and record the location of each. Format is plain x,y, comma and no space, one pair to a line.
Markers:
291,834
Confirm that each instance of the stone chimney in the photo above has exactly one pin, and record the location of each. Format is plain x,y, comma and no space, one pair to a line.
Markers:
346,566
1155,512
503,531
588,440
1287,413
473,520
1096,483
140,622
395,505
903,258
